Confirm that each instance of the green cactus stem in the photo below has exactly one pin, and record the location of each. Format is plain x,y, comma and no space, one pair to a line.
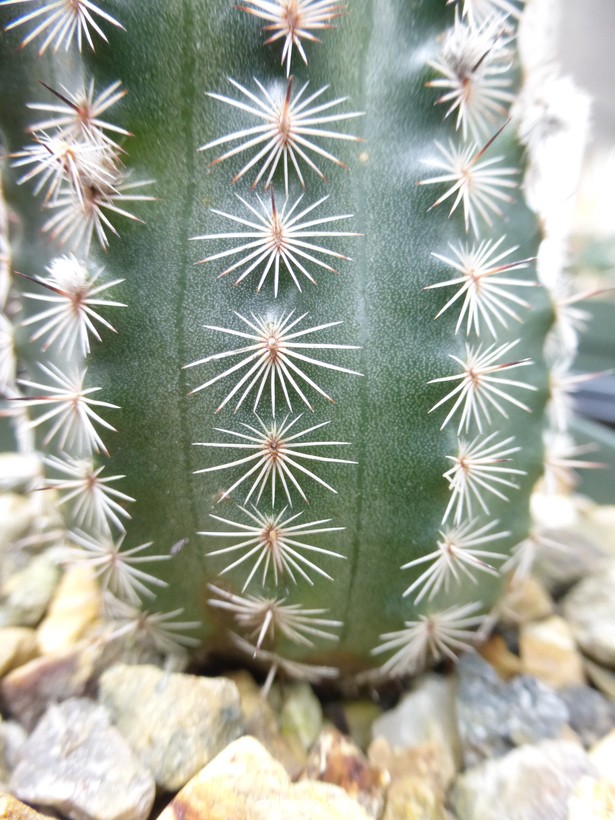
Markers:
307,224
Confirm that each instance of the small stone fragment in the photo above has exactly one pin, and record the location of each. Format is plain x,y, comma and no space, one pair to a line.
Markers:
245,783
420,777
75,607
589,608
592,800
602,755
175,722
592,715
12,809
602,678
496,652
525,600
17,646
12,738
260,721
76,762
28,690
428,762
494,716
359,717
335,759
410,798
548,652
425,715
301,715
25,596
529,783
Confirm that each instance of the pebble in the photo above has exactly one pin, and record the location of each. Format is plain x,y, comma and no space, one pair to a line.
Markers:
412,799
420,778
529,783
300,716
245,783
76,762
494,716
589,608
548,652
603,679
592,800
28,690
358,717
25,595
175,722
425,715
335,759
260,721
602,755
75,607
12,738
13,809
592,715
18,645
525,600
496,652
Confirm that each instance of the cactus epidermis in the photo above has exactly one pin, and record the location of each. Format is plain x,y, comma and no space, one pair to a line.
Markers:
329,373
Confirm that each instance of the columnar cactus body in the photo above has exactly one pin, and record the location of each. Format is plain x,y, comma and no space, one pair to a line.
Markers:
380,487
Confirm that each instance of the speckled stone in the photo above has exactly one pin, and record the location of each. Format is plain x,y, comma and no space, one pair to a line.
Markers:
13,809
245,783
176,723
592,716
589,608
548,652
335,759
494,716
420,778
425,715
529,783
76,762
28,690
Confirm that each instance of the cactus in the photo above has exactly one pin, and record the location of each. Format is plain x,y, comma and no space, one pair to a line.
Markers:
323,236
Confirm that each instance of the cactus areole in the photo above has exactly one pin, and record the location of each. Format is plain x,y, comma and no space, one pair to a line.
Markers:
320,417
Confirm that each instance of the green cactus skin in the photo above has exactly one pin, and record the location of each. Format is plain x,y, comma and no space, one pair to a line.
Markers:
380,54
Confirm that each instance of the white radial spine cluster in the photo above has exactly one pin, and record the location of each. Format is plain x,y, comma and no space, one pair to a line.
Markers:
269,360
75,163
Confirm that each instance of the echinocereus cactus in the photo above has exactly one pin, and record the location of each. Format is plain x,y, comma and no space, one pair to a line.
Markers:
328,238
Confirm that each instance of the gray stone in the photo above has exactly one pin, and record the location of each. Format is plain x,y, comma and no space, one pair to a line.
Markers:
495,716
12,738
592,715
529,783
425,715
77,763
589,608
175,723
26,692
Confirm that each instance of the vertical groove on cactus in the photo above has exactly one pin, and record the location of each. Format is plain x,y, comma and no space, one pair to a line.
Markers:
415,536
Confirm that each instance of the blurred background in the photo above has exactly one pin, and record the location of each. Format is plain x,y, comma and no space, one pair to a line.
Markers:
587,49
